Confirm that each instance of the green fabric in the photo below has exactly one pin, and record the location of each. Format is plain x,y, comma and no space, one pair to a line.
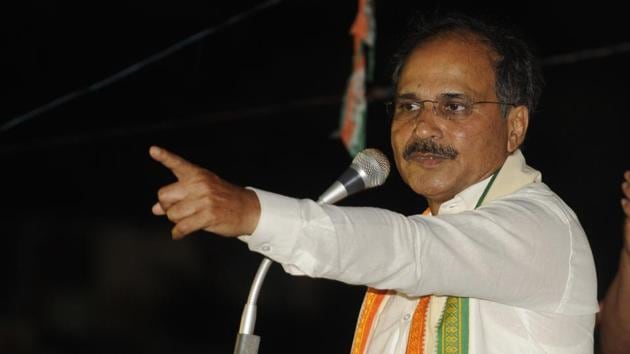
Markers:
453,331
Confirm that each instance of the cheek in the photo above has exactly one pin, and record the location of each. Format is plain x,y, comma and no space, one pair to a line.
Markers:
464,140
399,137
482,142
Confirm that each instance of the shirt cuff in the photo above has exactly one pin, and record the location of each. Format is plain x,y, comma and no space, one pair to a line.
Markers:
280,220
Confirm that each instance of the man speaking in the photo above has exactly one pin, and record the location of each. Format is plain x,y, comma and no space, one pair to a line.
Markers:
498,263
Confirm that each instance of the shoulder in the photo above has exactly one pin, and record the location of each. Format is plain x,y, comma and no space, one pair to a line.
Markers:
539,199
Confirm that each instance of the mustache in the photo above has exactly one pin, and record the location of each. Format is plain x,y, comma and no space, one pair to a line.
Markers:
428,146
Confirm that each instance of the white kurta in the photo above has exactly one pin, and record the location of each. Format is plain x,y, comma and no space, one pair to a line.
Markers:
523,260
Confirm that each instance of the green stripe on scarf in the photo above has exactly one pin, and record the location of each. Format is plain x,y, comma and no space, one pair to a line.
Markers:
453,332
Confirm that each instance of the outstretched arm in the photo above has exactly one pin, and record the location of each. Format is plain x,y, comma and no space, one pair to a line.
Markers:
200,200
615,315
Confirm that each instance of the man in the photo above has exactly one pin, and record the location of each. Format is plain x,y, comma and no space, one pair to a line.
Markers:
614,318
498,263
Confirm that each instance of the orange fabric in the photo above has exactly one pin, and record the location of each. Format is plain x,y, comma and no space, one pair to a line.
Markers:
371,304
360,27
415,340
348,124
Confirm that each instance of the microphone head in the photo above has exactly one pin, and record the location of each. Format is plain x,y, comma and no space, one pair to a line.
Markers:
373,167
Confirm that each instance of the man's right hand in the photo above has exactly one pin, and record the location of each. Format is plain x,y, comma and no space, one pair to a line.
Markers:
200,200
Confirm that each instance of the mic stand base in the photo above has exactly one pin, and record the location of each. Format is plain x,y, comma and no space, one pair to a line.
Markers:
247,344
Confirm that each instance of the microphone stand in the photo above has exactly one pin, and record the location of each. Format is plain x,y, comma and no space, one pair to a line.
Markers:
246,341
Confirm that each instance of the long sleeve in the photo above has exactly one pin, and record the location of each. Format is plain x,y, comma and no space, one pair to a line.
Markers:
526,250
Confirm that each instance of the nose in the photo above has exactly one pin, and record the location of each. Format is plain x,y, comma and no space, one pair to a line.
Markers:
427,122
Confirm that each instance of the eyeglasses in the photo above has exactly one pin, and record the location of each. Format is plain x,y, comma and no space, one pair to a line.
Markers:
447,106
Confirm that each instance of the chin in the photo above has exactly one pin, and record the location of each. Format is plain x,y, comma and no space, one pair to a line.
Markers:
430,188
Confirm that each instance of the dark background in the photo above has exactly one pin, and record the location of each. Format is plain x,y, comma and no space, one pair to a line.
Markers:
87,269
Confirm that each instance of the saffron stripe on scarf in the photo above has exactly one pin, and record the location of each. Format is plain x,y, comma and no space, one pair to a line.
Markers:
415,339
371,304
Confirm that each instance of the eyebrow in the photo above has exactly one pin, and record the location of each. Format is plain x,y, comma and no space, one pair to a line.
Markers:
407,96
413,96
453,95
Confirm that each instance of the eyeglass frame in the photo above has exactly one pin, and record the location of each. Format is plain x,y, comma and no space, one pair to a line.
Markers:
390,107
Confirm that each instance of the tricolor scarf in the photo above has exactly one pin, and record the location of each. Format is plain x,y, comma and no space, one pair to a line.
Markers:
440,323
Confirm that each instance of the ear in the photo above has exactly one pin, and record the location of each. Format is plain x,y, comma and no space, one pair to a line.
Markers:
517,122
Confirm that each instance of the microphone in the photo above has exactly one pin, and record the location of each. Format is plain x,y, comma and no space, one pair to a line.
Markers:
369,169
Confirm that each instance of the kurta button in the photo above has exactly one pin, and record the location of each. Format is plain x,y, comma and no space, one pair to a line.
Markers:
407,317
266,248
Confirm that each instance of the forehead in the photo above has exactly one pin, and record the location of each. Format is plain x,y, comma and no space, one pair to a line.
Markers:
449,64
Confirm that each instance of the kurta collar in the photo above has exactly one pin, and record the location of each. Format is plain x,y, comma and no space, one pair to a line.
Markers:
514,172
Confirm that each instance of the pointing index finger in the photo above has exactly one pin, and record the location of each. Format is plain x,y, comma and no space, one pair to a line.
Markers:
178,165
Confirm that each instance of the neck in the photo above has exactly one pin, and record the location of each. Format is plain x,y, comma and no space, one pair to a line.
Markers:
434,206
435,203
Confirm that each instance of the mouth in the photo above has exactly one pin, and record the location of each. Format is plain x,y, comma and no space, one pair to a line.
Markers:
427,160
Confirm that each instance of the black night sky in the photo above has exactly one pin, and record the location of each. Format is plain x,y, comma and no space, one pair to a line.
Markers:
88,269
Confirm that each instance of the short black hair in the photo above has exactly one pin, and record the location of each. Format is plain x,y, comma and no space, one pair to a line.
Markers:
518,78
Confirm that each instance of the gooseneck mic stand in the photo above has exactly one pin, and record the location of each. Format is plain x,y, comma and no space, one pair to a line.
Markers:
246,341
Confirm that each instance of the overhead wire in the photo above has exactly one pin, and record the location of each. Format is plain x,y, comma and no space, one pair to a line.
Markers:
587,54
23,118
378,93
170,125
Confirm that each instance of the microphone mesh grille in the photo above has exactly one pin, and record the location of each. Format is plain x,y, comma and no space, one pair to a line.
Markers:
374,164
